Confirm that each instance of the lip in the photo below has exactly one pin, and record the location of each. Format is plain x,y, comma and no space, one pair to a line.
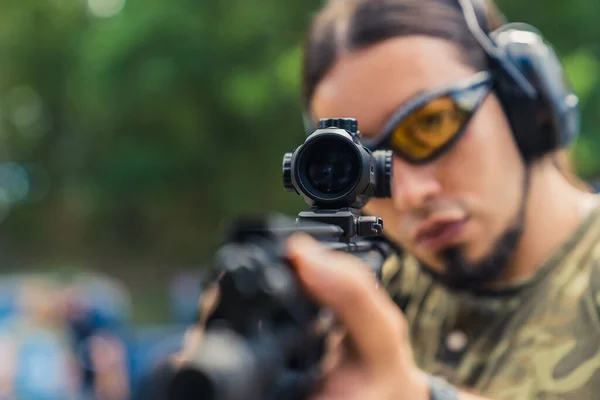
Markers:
436,233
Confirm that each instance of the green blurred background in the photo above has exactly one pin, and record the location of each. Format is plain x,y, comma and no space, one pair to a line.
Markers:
131,129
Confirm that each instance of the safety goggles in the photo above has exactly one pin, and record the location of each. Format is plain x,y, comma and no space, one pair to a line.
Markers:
432,122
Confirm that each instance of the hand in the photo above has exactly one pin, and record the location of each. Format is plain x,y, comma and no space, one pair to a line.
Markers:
374,358
193,336
371,357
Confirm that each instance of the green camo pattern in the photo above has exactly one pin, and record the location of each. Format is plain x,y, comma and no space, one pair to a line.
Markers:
538,340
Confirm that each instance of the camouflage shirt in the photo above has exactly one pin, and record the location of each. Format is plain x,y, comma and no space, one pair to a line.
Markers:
539,339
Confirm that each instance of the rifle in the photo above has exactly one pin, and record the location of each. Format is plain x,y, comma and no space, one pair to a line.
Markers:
261,342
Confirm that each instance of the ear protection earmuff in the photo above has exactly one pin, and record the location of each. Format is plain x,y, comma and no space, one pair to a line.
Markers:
530,83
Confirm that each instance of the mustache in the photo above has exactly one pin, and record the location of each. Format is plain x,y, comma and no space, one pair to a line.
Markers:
437,209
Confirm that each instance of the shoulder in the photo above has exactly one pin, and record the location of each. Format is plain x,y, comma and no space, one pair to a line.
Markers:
582,261
584,252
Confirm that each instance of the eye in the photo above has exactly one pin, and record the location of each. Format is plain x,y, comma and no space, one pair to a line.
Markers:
430,122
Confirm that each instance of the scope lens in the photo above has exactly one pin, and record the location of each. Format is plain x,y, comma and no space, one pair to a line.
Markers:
330,167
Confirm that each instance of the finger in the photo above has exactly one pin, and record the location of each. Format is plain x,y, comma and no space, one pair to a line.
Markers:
192,338
334,351
342,282
208,303
191,342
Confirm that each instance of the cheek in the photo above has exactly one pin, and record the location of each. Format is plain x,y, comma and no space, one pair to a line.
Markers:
384,209
470,167
485,159
484,171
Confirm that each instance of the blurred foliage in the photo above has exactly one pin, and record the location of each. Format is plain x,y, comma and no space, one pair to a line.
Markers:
131,130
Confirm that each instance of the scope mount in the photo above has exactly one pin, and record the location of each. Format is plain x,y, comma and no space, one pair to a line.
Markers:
352,225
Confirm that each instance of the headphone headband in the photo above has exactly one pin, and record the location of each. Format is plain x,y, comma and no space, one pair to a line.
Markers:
491,48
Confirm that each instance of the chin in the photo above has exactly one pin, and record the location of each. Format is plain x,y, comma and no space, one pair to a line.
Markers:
475,254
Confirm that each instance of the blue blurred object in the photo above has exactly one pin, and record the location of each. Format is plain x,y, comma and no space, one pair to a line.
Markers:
154,344
184,294
43,370
8,291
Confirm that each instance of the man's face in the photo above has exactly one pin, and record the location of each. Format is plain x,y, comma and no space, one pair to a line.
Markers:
471,193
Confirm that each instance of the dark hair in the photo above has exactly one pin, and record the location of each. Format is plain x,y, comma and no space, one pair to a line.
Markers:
346,25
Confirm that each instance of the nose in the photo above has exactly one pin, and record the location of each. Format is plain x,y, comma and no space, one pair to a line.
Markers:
413,185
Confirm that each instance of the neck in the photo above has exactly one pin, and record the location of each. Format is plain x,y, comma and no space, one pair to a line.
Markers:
554,211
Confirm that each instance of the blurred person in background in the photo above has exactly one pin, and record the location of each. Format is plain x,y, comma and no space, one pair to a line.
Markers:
494,292
96,337
36,357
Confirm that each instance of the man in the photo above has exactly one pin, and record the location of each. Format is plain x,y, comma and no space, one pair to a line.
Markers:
496,288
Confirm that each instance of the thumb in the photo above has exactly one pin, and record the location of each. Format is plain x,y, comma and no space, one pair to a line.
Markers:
344,284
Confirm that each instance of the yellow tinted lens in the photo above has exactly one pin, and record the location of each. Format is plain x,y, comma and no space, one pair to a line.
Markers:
428,128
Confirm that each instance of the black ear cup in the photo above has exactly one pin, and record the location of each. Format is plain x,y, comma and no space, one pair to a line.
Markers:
531,84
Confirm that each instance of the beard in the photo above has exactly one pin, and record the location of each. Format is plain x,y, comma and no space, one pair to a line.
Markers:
462,275
465,276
